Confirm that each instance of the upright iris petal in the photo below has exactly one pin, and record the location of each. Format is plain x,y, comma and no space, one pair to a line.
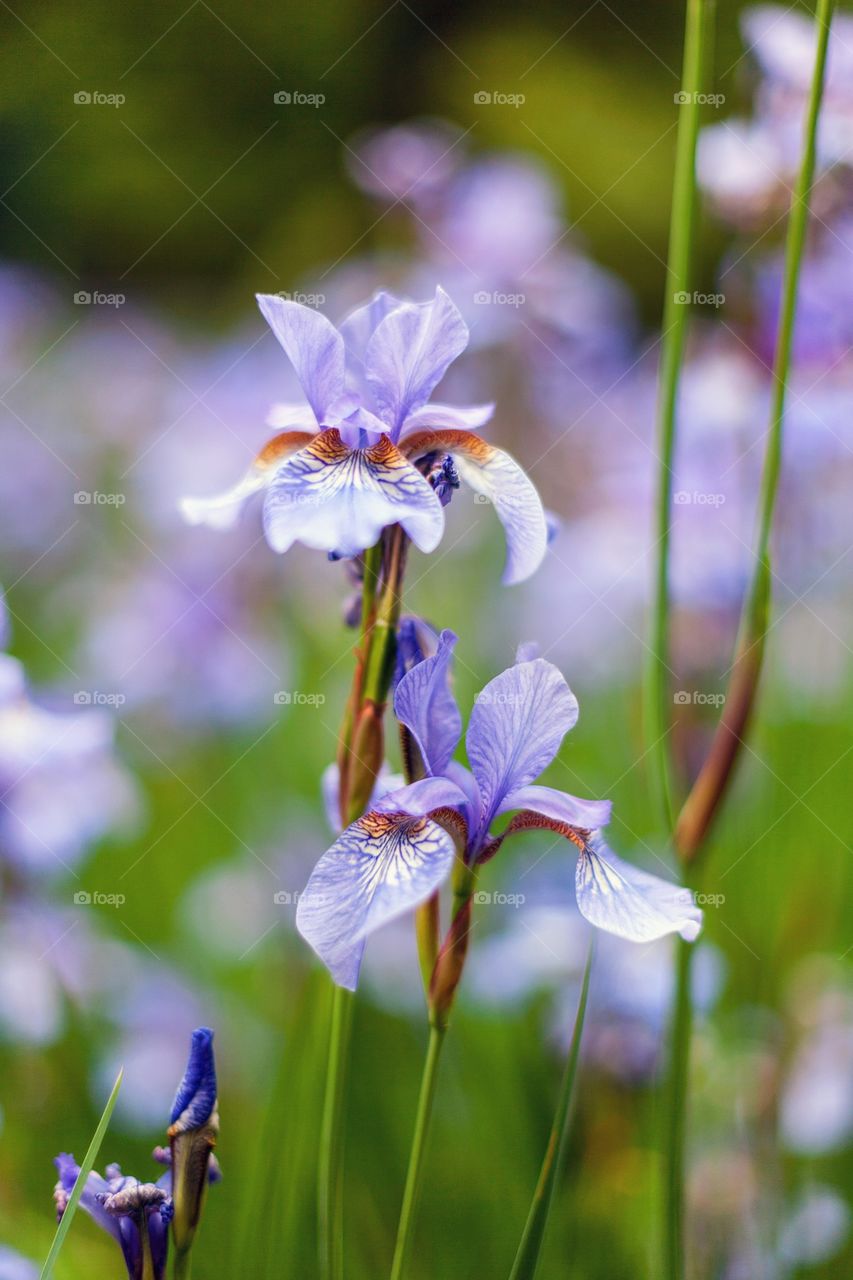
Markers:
408,354
192,1133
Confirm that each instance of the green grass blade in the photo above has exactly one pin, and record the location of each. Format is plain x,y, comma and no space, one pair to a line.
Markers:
530,1248
85,1169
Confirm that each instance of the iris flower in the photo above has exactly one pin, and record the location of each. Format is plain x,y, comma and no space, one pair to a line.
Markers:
360,453
134,1213
400,852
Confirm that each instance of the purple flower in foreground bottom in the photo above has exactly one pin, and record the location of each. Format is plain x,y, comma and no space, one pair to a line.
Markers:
401,851
134,1213
361,453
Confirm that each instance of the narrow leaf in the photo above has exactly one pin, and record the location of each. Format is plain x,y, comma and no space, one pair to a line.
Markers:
527,1258
85,1169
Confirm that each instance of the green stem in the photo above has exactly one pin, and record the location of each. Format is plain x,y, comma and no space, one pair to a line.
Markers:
330,1170
416,1158
183,1265
527,1258
675,316
676,1114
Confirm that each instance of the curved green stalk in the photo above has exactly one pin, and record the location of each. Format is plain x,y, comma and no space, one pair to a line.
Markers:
529,1250
360,758
330,1167
414,1176
675,315
675,1112
706,794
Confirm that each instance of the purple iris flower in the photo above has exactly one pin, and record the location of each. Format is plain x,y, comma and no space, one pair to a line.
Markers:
136,1214
399,853
362,452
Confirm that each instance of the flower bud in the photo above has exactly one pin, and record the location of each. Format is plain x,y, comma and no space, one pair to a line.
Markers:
192,1137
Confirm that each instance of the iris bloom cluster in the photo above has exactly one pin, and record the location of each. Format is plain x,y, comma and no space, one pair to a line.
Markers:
403,849
139,1215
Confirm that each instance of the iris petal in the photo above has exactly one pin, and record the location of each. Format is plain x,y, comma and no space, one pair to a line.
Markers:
222,510
380,867
629,902
409,352
339,499
314,348
516,727
424,702
559,806
500,480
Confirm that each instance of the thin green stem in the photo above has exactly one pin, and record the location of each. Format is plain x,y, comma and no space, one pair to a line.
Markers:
414,1176
675,1114
673,338
183,1265
330,1168
529,1250
706,794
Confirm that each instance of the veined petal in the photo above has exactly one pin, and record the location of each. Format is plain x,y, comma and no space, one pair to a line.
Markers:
409,353
357,329
516,726
558,806
380,867
339,499
423,797
498,478
424,703
447,417
631,903
221,511
314,348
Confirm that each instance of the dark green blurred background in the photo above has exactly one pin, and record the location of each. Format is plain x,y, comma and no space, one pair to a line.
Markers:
119,194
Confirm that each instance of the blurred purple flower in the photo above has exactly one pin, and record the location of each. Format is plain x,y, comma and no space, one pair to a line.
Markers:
61,786
403,849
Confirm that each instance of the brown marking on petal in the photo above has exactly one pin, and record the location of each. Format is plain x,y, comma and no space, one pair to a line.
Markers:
377,826
527,820
448,441
453,823
385,454
286,442
328,446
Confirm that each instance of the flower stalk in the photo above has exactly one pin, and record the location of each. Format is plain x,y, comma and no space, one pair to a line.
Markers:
414,1177
360,757
529,1250
673,340
708,791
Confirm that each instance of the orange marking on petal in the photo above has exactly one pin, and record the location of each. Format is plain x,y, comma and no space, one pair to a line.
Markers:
378,825
280,446
448,441
329,447
385,454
